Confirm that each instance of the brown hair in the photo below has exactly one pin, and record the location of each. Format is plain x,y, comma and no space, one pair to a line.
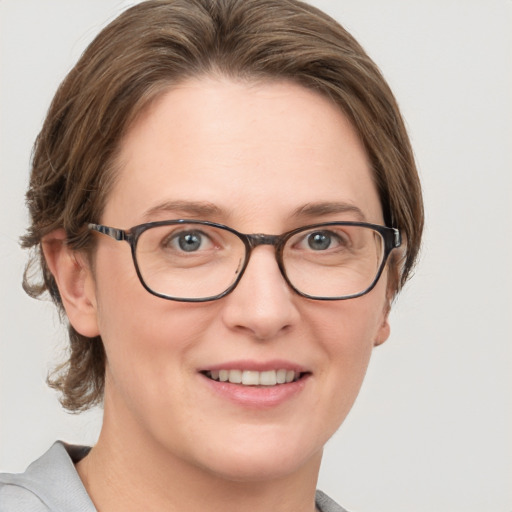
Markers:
141,54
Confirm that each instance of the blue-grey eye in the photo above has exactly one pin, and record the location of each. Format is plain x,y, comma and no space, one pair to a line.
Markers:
320,240
190,241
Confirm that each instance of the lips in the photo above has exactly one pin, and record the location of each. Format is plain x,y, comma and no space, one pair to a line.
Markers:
256,385
247,377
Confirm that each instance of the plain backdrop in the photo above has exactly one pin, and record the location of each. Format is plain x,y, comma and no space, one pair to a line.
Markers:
432,429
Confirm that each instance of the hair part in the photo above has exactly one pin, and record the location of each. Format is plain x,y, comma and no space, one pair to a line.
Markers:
143,53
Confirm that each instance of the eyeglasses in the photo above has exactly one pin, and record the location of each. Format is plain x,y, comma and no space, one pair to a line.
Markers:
199,261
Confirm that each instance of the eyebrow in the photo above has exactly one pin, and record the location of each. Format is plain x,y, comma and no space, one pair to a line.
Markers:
205,209
329,208
197,209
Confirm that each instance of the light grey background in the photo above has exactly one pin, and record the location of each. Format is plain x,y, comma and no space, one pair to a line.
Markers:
432,428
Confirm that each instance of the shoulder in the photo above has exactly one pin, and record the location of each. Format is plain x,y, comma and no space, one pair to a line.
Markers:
49,484
15,497
326,504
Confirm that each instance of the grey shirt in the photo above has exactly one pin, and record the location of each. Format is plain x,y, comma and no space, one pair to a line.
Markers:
51,484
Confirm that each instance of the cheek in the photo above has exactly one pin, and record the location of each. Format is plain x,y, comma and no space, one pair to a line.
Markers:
349,329
347,332
349,350
149,362
145,337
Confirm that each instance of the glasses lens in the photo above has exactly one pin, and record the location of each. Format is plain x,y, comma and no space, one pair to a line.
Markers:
333,261
189,261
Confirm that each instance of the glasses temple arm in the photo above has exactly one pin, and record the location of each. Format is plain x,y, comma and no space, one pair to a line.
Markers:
116,234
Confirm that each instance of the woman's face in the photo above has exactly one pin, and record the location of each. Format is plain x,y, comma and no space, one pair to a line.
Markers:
261,158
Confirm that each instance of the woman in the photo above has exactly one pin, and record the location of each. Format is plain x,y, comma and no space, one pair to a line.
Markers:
225,203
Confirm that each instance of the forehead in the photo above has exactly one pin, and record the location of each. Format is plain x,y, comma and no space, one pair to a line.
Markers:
252,150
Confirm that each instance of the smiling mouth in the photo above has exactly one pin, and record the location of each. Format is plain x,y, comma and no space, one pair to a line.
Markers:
255,378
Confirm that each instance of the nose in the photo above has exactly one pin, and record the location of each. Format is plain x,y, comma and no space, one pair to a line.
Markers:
262,305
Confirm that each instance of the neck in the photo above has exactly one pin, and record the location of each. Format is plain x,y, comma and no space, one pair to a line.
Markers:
127,472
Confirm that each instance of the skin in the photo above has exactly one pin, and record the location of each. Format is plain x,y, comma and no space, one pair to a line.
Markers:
258,152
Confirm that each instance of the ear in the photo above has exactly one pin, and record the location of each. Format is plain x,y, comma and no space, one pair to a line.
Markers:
384,330
393,272
75,282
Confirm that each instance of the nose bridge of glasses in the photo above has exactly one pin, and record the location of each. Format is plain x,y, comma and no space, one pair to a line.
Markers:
257,239
262,239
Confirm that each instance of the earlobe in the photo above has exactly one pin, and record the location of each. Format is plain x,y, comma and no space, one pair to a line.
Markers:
384,330
75,282
383,334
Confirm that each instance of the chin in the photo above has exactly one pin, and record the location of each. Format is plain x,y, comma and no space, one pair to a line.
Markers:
248,468
263,458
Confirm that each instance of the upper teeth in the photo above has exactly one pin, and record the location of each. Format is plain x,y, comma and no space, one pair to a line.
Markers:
253,378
